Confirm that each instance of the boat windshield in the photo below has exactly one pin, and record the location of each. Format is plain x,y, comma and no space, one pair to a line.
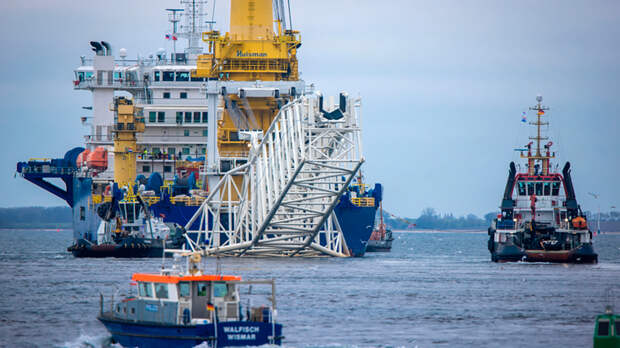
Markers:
220,290
145,289
522,189
184,289
530,188
603,328
161,290
202,289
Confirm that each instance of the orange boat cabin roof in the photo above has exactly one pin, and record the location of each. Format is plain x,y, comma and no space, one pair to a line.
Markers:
145,277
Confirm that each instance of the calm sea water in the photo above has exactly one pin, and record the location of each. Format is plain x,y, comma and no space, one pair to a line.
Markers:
433,289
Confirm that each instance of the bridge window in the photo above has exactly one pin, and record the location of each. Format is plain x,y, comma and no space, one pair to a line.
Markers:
547,189
539,190
555,189
530,188
145,289
186,132
202,289
603,328
161,116
197,117
188,117
168,76
197,79
166,95
521,188
182,75
220,290
80,76
205,117
152,116
156,75
179,117
161,290
183,95
184,289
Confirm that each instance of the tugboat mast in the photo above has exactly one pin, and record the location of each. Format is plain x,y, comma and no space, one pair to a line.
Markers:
539,156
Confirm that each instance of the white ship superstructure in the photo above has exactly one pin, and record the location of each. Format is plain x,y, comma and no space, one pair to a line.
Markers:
174,103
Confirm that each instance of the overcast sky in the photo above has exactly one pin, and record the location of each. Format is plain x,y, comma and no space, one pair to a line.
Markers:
443,84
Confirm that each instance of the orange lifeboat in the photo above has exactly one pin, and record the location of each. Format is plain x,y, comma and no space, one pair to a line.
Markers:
98,159
580,223
81,159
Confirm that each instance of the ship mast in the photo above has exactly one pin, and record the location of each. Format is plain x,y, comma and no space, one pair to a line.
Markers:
542,156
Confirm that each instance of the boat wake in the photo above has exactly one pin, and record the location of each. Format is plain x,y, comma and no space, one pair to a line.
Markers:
90,341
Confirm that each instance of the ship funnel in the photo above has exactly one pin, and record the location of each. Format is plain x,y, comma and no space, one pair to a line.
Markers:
108,48
97,48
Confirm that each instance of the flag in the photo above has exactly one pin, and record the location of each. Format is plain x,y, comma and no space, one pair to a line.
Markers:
167,36
174,38
541,112
524,117
210,307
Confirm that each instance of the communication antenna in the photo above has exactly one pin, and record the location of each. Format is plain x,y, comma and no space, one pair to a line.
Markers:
193,25
174,17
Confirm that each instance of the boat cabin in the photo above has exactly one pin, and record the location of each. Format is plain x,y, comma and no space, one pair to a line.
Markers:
181,300
607,331
545,193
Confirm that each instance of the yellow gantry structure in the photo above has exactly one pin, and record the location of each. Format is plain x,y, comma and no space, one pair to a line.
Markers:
251,51
129,121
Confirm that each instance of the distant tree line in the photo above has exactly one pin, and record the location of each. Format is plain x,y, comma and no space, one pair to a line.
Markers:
609,216
430,219
35,217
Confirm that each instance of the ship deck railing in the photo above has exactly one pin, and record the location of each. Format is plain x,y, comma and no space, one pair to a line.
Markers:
363,201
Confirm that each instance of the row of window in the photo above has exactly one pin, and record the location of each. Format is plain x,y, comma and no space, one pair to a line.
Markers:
182,95
155,151
539,188
170,76
161,289
181,117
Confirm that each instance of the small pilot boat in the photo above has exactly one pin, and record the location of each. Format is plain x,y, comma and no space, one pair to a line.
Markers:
187,308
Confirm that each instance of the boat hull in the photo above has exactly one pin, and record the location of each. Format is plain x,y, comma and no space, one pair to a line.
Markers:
132,247
511,253
379,246
357,224
229,334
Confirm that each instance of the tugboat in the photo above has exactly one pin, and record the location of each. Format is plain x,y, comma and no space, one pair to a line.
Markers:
381,238
540,219
184,308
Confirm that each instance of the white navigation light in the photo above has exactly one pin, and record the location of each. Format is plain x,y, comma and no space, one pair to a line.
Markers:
122,53
539,98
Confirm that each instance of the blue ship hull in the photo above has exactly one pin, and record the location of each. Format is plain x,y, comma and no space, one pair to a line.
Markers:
229,334
357,224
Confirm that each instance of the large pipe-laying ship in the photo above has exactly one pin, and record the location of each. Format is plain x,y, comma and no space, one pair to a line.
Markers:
540,219
226,146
